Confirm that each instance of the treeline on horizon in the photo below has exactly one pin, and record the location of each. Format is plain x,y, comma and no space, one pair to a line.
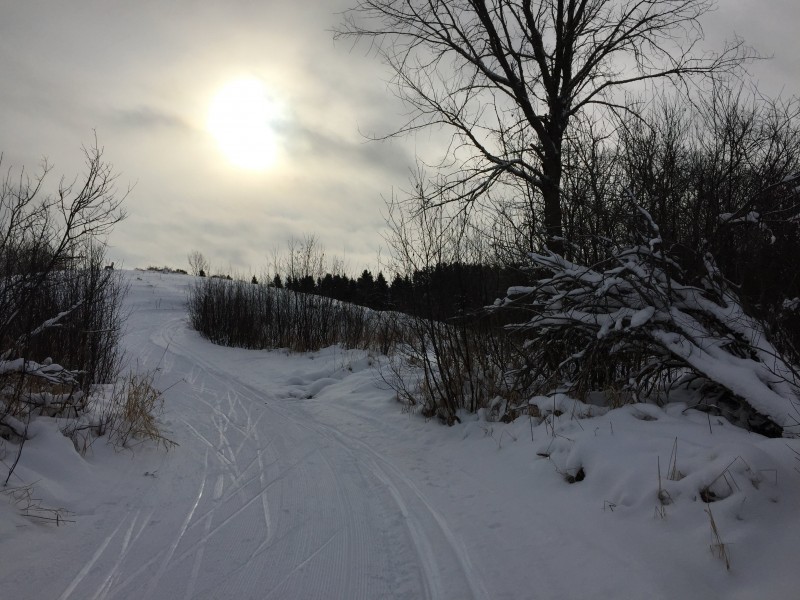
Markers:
441,291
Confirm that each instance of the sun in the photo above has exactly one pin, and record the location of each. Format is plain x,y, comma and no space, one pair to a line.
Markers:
241,119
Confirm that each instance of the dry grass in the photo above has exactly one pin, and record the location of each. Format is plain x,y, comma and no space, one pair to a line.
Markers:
618,396
717,547
673,473
31,507
136,405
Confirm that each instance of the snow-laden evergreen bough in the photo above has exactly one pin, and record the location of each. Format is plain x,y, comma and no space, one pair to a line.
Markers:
632,324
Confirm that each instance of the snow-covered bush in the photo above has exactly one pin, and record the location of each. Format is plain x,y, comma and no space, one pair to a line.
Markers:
58,305
126,412
28,388
639,323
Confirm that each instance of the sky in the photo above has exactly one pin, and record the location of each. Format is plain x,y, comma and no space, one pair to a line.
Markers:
142,77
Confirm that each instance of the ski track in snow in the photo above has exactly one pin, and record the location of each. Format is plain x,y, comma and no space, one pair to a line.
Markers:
270,504
441,557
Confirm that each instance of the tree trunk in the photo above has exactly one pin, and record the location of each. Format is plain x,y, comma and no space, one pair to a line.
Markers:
551,196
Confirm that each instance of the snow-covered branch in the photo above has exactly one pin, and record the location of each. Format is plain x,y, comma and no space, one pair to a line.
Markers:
632,320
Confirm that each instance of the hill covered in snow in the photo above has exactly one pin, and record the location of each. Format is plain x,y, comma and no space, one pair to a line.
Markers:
301,476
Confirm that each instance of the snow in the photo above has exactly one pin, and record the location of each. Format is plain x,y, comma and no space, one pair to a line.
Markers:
47,369
300,476
750,217
640,317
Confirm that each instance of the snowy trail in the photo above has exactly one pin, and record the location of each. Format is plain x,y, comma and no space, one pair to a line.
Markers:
297,477
361,490
260,501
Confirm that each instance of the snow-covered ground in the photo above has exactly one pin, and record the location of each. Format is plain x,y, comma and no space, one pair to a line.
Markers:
300,477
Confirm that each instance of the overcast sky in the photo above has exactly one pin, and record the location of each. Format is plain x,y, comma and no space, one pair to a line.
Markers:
143,74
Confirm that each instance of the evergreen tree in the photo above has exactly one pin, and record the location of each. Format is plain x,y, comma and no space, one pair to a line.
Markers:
365,288
381,294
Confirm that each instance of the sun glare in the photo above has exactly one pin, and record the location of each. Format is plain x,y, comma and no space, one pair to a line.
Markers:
240,118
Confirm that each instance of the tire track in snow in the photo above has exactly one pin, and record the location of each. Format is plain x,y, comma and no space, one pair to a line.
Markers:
237,474
418,530
237,451
89,564
357,543
244,401
266,486
259,551
228,466
166,556
234,405
209,532
476,585
302,564
252,427
265,511
198,560
206,518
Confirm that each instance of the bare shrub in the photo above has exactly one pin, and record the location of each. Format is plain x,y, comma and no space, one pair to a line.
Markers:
455,357
446,367
246,315
79,316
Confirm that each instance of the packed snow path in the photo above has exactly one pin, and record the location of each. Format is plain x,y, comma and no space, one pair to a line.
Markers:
260,500
297,477
285,507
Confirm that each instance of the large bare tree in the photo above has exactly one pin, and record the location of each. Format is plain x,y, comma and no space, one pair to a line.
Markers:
508,77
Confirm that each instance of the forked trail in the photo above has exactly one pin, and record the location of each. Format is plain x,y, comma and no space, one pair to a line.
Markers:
259,500
298,477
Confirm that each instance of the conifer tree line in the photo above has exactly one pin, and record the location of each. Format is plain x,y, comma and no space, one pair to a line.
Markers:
441,291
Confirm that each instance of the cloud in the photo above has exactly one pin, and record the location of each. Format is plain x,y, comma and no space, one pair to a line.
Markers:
147,117
332,152
142,74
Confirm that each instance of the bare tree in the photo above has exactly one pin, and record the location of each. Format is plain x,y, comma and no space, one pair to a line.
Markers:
305,258
198,263
509,77
42,234
56,300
